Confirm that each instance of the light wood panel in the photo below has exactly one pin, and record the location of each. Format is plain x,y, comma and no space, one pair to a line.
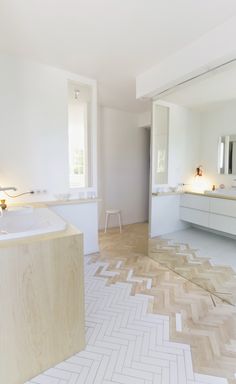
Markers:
41,305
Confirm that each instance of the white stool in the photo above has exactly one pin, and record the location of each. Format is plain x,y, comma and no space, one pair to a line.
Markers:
110,212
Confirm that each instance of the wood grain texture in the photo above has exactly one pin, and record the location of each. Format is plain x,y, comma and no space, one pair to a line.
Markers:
219,280
42,305
208,323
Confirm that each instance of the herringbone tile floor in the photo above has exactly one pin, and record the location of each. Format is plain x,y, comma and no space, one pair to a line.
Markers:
144,324
182,259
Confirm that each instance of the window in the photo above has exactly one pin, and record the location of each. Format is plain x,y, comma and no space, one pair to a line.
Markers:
160,143
78,129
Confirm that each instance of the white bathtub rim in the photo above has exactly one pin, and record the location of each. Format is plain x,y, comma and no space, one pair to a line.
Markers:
55,224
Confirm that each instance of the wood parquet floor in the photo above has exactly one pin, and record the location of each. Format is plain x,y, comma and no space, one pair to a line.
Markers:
208,322
182,259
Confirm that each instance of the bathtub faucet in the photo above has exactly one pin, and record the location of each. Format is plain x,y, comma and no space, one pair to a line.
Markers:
8,189
3,205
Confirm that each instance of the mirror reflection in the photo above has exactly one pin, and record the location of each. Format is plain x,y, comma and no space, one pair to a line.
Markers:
192,226
160,143
227,155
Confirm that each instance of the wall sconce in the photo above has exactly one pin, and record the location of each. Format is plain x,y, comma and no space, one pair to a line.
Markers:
200,183
77,92
199,171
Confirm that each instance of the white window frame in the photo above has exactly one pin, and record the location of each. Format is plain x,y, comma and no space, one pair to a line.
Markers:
91,137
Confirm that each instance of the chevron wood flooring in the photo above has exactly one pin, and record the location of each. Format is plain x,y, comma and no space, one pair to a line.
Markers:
180,258
147,325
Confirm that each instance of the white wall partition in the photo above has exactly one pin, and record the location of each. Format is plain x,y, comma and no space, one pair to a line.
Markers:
34,132
183,144
83,217
184,141
34,126
164,215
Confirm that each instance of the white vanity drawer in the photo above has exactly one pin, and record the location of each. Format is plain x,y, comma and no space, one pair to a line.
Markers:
194,216
201,203
223,223
223,207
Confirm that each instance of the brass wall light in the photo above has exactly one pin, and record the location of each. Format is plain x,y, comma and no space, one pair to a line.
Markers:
199,171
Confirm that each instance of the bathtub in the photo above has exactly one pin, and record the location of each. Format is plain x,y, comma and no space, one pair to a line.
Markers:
22,222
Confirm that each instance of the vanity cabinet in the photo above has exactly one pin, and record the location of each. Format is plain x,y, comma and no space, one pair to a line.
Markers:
211,212
201,203
194,216
222,223
223,207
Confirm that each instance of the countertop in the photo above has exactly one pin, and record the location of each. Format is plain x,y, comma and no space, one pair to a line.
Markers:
167,193
214,195
49,203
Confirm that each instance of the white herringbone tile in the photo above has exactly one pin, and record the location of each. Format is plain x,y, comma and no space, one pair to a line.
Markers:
125,344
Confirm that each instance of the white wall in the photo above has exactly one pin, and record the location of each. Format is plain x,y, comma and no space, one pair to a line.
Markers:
183,158
83,217
124,168
34,137
33,120
145,118
184,144
213,48
217,120
34,150
164,215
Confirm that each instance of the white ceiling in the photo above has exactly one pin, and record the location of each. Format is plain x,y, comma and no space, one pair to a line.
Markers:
110,40
204,92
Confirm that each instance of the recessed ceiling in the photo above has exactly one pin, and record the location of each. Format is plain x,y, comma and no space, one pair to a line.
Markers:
207,90
110,40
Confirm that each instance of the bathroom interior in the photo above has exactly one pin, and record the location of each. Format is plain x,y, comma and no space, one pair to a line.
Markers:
117,210
192,222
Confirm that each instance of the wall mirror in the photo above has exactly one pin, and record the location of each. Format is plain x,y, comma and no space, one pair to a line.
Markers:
227,155
193,124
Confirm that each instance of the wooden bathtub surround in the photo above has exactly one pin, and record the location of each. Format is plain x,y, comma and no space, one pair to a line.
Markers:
41,304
